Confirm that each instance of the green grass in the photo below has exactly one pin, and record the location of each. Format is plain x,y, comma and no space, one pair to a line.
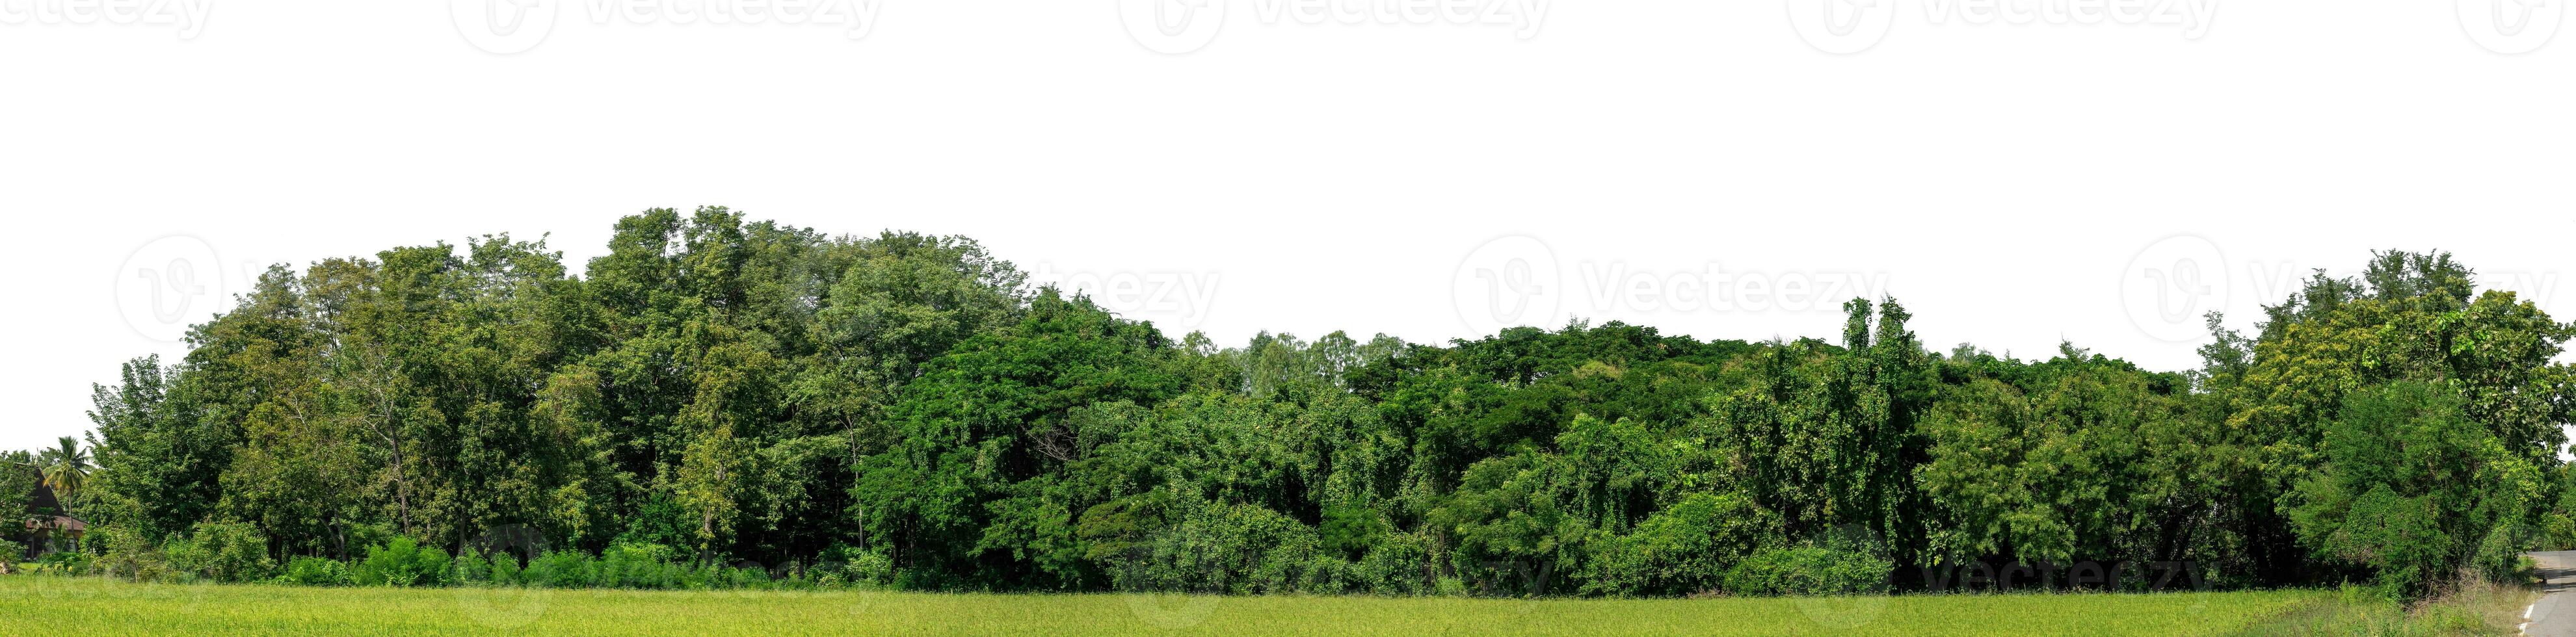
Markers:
94,606
2473,608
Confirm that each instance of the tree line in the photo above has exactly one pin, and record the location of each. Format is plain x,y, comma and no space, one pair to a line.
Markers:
905,410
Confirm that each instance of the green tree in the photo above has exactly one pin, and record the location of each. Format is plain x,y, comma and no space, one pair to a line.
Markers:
65,467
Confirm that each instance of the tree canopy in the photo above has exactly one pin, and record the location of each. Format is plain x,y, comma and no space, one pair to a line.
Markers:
735,390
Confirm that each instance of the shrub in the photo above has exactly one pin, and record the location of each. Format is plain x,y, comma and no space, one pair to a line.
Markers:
1833,568
224,552
1686,548
871,568
66,563
127,554
638,566
402,562
315,571
560,569
503,570
1219,548
2499,557
468,568
1450,587
1399,564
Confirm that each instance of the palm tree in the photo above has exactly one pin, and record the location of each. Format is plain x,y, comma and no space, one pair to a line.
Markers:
65,467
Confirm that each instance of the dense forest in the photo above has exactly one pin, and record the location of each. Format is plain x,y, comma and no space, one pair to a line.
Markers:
904,410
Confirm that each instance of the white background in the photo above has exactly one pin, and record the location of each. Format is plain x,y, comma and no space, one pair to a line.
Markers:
2002,180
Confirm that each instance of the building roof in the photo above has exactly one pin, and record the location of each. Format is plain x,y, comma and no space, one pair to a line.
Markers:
58,523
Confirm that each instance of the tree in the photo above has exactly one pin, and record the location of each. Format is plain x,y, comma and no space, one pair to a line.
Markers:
745,389
65,467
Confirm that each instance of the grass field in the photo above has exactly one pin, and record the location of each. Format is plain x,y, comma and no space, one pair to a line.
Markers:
93,606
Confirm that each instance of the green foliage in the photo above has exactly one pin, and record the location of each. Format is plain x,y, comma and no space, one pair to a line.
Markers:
67,563
223,552
124,553
1685,549
903,410
401,562
315,571
17,476
2410,489
1812,569
1220,548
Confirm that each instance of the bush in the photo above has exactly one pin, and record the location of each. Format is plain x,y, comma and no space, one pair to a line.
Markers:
223,552
9,554
870,568
315,571
2499,557
1220,548
1686,548
503,570
402,562
127,554
66,563
1399,564
638,566
560,569
847,565
1834,568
